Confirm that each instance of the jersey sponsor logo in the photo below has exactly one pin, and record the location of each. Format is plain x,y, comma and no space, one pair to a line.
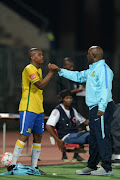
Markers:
55,112
32,76
29,130
92,73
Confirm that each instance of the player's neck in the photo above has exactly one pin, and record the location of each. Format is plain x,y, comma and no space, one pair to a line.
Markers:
66,107
36,65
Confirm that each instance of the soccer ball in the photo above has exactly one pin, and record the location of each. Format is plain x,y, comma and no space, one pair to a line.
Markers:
6,159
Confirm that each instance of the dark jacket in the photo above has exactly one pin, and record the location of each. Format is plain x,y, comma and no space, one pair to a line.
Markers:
66,125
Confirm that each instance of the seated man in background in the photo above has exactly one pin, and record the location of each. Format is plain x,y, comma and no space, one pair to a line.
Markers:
65,118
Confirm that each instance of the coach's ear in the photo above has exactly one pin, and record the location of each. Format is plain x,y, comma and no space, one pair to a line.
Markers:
93,55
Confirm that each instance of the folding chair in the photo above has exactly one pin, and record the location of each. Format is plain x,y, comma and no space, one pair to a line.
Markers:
71,147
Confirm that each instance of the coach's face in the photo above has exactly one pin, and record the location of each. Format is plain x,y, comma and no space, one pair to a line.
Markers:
90,56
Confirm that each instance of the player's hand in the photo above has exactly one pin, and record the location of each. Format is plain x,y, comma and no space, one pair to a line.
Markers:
100,113
53,67
61,145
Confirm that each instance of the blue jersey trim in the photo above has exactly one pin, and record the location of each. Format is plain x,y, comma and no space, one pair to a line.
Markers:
106,79
102,127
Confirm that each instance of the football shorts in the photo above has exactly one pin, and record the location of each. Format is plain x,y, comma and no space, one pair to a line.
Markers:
31,123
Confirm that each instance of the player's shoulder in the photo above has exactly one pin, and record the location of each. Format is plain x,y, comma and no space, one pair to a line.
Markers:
75,111
55,111
28,66
40,69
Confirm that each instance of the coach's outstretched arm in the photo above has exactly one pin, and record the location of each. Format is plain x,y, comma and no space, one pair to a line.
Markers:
72,75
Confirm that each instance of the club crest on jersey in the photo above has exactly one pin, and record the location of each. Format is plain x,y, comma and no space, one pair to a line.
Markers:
92,73
32,76
29,130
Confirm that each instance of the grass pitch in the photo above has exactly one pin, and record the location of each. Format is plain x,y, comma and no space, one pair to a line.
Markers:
62,172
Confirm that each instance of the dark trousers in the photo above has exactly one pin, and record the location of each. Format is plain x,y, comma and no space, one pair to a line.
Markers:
100,147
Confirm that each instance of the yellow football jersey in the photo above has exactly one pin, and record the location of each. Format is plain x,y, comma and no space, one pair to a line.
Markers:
32,97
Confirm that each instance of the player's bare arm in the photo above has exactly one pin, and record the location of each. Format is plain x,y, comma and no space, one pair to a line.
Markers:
59,141
41,85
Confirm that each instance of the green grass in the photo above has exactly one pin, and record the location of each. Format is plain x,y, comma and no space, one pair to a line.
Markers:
64,172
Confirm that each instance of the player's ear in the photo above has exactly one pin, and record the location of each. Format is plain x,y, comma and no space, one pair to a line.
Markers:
61,100
32,57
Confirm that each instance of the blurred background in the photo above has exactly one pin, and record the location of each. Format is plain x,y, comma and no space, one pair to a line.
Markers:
61,28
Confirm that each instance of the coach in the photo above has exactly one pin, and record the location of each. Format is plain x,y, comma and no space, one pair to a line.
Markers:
98,80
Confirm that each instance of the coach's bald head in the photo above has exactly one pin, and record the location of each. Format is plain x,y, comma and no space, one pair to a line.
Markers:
95,53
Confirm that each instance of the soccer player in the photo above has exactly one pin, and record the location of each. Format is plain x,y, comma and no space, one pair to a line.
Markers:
31,107
98,80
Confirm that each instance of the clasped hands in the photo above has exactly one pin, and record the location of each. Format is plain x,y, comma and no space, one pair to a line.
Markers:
53,67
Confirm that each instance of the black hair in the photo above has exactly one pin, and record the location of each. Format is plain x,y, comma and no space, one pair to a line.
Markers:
32,51
68,59
63,94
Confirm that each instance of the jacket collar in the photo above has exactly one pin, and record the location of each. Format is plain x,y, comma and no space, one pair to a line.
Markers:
93,65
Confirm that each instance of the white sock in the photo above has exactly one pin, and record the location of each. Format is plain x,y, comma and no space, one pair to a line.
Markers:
17,151
36,149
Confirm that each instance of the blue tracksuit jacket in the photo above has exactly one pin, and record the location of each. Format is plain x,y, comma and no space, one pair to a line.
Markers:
98,80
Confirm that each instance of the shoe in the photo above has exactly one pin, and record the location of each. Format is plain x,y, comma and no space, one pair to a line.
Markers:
41,172
64,157
84,171
77,158
101,172
10,168
65,160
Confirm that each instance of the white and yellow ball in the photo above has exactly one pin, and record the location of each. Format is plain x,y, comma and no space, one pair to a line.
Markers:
6,159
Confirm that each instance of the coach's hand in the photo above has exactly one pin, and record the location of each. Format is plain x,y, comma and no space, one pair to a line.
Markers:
100,113
53,67
61,144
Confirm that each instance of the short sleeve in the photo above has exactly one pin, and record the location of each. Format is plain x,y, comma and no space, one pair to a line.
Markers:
53,118
32,75
79,118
